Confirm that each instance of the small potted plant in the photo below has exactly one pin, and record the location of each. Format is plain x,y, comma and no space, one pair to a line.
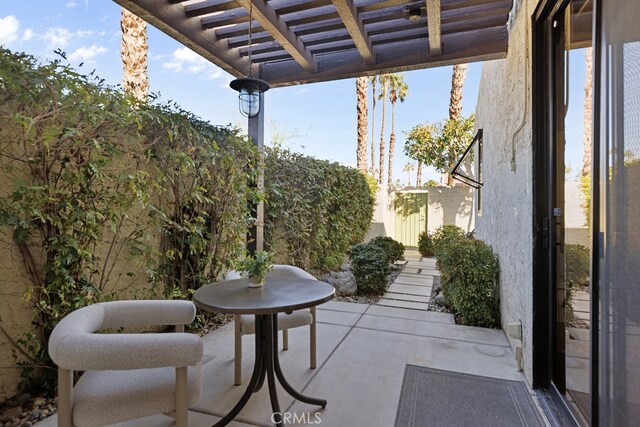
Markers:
256,267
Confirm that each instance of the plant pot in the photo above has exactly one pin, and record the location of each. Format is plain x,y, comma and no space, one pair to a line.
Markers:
256,282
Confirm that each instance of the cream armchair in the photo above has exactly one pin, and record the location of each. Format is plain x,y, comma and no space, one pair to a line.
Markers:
245,324
127,376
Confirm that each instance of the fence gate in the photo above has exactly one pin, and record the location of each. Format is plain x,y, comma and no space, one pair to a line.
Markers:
411,217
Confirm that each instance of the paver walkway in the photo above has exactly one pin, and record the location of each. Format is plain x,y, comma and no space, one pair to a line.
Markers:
412,288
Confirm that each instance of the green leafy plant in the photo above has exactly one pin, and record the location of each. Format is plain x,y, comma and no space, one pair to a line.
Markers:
257,265
425,245
469,279
315,211
393,249
445,235
370,267
577,270
441,144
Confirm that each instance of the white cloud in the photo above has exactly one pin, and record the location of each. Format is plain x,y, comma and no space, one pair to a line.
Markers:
9,28
27,35
87,53
184,60
57,37
71,4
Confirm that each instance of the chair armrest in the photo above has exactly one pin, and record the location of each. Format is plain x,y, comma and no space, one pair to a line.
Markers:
98,352
134,313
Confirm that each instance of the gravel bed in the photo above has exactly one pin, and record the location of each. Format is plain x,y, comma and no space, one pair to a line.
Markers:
25,410
435,290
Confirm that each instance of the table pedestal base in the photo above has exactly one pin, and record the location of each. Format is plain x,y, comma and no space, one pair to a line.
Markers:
267,365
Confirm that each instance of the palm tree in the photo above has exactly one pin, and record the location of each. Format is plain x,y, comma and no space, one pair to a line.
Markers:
372,80
134,55
383,79
588,109
457,81
419,174
408,168
455,102
398,91
361,109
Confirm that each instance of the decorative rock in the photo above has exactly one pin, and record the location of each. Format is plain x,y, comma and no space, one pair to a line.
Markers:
39,401
10,414
343,281
346,266
23,398
440,299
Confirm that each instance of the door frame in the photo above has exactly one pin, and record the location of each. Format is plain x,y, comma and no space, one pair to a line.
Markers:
545,351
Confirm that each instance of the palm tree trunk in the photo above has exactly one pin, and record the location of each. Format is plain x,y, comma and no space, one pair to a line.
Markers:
588,110
457,81
419,174
134,55
362,113
392,142
382,147
455,102
373,125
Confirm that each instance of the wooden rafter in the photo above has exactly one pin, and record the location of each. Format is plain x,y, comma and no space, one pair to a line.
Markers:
349,15
433,25
264,14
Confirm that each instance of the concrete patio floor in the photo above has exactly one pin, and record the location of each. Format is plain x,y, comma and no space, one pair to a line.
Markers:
362,353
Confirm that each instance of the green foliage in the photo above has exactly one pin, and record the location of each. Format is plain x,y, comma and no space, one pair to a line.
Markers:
431,183
446,235
370,267
577,271
63,139
316,209
257,265
204,175
393,249
585,187
96,178
469,280
441,144
425,245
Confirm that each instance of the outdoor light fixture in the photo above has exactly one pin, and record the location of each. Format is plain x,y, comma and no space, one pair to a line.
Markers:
250,89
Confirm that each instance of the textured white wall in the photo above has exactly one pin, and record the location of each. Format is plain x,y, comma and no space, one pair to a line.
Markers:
504,101
450,206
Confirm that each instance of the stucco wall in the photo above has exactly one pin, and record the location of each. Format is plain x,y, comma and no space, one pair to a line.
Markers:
450,206
506,219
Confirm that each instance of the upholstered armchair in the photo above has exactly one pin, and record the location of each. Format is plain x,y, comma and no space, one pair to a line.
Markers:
245,324
126,375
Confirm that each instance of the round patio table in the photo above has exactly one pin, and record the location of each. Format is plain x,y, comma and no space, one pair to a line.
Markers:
278,295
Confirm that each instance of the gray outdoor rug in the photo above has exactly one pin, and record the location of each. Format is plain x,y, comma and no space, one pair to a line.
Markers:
431,397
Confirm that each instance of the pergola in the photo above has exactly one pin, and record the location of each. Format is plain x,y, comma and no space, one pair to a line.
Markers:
303,41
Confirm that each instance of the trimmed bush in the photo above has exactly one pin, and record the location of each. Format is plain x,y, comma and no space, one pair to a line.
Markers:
425,245
315,211
445,235
370,267
393,249
469,281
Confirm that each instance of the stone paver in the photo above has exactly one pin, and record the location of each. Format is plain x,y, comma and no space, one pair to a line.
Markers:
402,304
410,289
406,297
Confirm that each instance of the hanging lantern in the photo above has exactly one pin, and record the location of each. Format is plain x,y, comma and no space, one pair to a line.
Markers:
250,90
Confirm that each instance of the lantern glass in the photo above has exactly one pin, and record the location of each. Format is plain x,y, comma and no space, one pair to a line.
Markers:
249,101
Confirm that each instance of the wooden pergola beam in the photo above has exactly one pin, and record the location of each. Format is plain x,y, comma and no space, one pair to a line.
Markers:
349,14
268,19
433,25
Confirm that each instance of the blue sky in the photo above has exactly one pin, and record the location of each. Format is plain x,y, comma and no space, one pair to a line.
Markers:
318,119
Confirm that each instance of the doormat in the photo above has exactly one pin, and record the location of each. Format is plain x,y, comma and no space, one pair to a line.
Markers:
432,397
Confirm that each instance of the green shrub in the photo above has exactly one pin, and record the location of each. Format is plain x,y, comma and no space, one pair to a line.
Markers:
446,234
370,267
425,245
469,281
577,271
315,211
393,249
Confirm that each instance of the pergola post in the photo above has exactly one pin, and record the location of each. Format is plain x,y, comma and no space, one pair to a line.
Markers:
255,236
